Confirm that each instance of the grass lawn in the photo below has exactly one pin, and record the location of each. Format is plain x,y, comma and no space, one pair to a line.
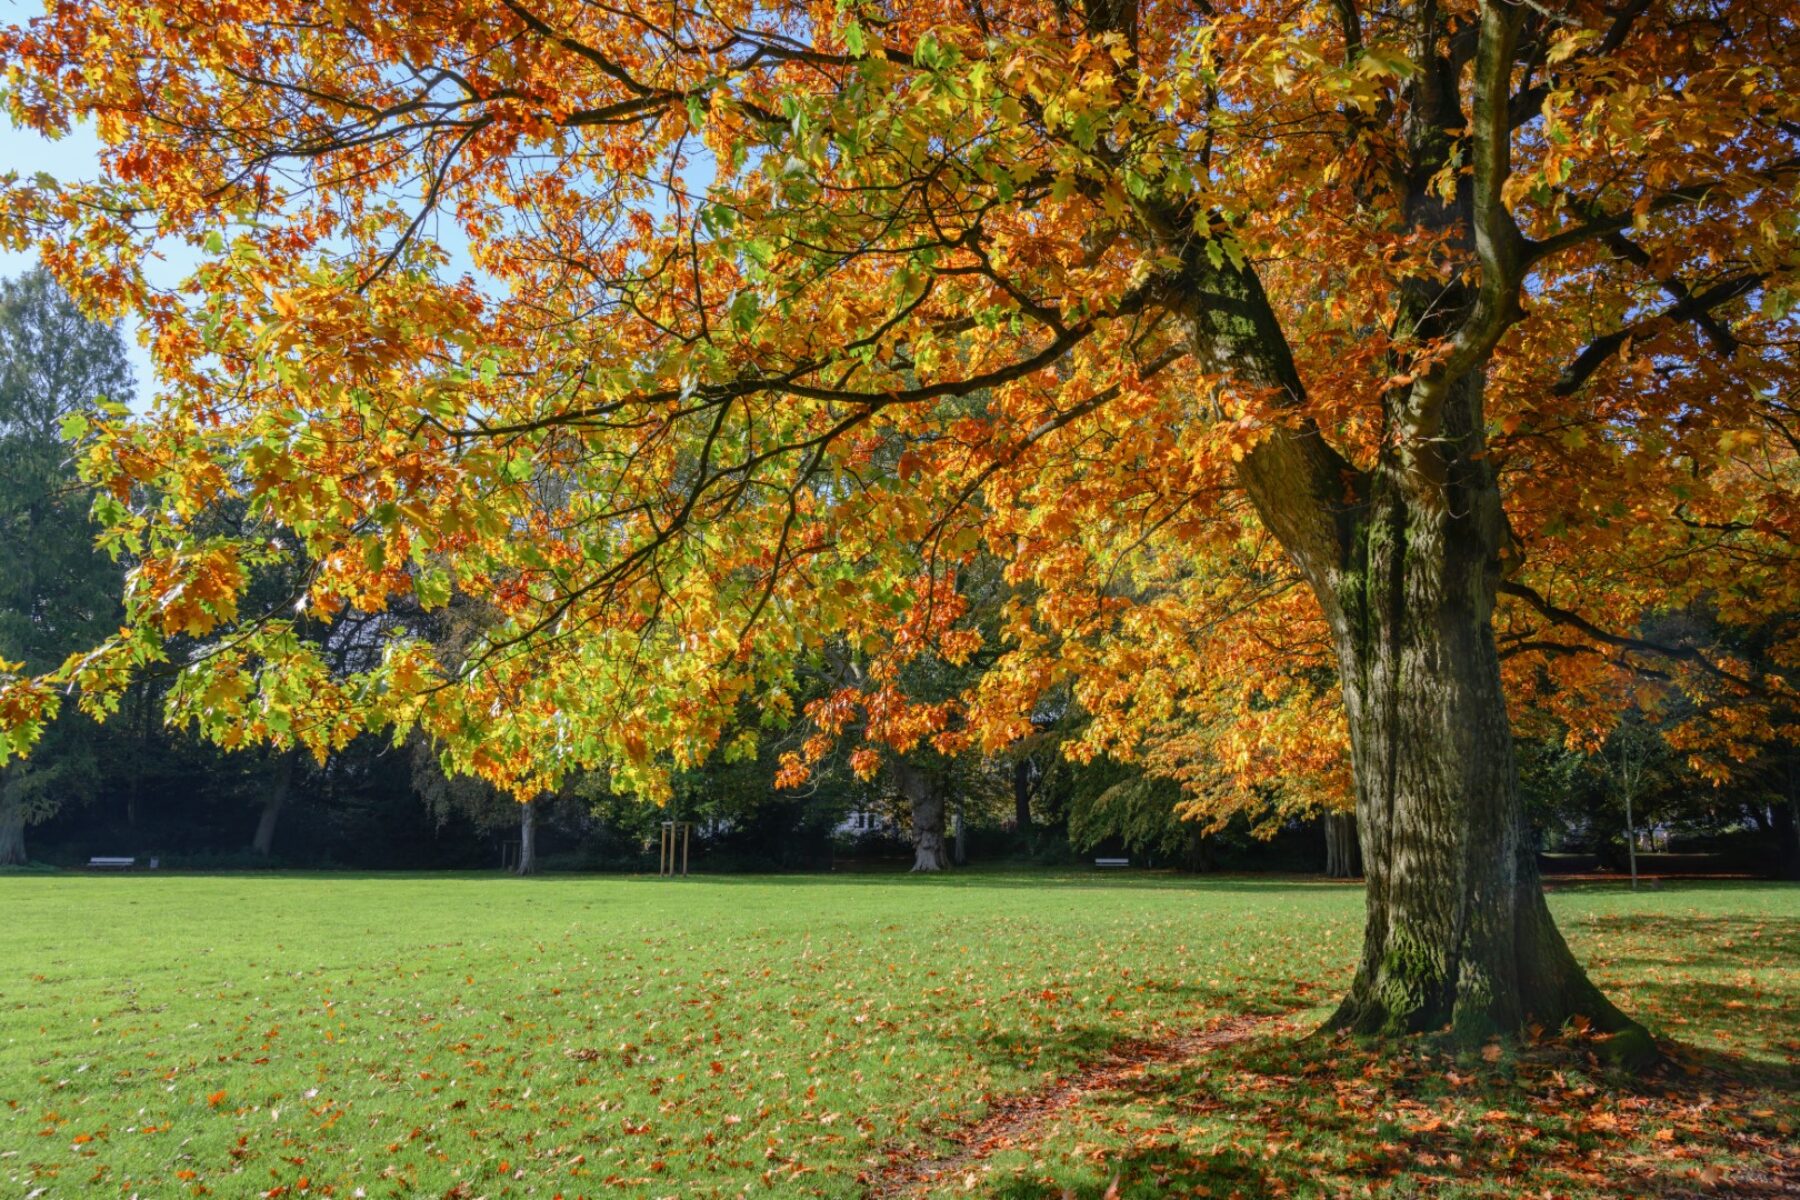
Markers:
433,1036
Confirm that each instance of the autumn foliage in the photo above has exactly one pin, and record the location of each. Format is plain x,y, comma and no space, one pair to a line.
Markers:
697,341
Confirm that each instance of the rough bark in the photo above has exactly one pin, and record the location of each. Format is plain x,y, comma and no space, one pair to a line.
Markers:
930,853
279,787
1343,854
527,838
1457,931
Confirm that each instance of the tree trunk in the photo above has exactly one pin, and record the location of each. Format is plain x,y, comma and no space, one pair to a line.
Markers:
1406,559
279,787
1199,851
1784,823
1022,795
528,838
1457,932
918,786
146,709
1343,857
12,831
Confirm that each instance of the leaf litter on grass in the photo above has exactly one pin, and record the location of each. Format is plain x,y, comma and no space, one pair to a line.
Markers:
411,1036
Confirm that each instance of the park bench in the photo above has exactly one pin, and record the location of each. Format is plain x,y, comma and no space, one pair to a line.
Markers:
1112,862
101,862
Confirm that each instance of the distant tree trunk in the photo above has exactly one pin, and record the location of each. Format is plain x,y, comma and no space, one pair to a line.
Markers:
929,851
1784,822
1343,856
134,792
12,827
279,787
962,841
528,838
1022,795
1199,850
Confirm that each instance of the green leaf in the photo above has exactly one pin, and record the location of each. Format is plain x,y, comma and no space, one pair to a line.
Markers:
74,427
744,309
432,587
930,53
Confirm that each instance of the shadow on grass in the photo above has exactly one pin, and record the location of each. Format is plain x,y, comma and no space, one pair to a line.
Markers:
1328,1116
1689,942
1323,1115
1154,1171
1735,978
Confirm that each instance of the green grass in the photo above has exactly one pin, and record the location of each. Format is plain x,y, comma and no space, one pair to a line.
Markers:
484,1036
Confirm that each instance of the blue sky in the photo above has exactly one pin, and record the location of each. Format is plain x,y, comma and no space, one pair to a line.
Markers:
71,158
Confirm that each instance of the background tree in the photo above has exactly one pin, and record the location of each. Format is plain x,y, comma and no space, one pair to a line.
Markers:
58,593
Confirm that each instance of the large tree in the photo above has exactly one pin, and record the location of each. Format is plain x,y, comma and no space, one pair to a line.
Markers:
1359,330
58,594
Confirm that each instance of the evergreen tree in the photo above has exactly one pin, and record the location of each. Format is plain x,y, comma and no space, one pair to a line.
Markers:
58,592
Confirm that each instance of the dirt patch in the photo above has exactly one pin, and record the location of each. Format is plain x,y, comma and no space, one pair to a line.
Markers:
1012,1119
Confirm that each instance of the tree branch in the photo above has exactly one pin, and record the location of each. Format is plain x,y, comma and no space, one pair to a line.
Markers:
1600,224
1723,340
1576,621
1695,307
1499,246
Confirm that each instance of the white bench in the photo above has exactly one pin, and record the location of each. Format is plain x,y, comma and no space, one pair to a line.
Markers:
1112,862
103,863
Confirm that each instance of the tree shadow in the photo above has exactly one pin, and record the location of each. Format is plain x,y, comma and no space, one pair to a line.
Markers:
1690,941
1319,1114
1739,975
1148,1173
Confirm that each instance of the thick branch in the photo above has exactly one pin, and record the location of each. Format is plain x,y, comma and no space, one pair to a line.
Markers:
1499,246
1723,340
1695,307
1576,621
1602,224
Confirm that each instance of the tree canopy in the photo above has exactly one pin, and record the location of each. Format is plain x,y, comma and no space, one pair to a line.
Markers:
1256,342
805,303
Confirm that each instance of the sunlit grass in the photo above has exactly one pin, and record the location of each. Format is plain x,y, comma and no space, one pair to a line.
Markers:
433,1035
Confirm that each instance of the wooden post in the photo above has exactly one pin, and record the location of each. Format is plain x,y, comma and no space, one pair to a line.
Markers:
675,838
1631,840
